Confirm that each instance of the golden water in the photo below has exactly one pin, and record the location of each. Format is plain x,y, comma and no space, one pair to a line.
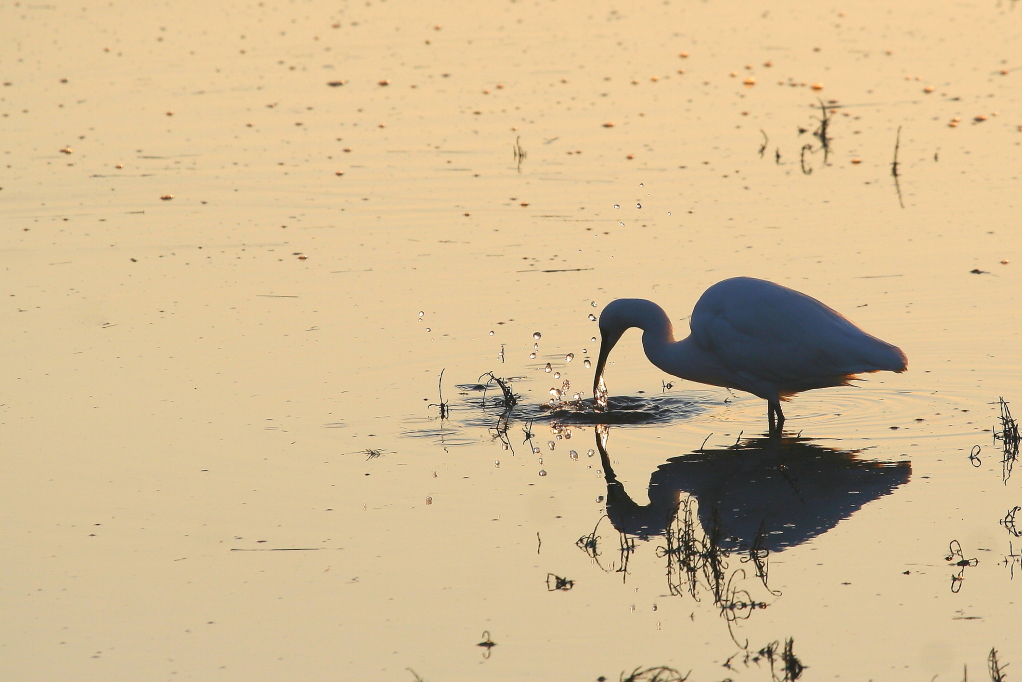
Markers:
222,452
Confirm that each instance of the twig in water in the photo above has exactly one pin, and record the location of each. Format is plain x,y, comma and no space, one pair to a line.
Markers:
487,643
802,159
956,558
445,410
660,673
996,669
894,167
510,399
1010,440
519,153
766,141
1009,521
821,131
556,582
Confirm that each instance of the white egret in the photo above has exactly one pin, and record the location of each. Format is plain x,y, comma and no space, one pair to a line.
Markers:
754,336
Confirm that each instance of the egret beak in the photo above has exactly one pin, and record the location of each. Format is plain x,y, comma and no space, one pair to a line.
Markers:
608,340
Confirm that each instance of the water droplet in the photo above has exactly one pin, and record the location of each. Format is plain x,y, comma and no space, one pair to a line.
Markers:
569,357
535,346
654,607
591,452
537,335
496,463
421,314
592,318
617,205
429,500
428,329
505,446
593,339
491,333
548,368
641,185
668,213
550,444
592,303
540,460
587,363
638,205
542,472
532,356
584,350
621,224
535,450
557,375
556,393
573,455
576,397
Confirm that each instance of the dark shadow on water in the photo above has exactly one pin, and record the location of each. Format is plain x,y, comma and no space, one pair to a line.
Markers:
784,491
719,513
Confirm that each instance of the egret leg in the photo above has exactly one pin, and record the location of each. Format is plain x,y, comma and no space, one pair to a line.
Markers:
772,408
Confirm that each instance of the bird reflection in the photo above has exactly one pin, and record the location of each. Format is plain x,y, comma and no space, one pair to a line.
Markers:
767,493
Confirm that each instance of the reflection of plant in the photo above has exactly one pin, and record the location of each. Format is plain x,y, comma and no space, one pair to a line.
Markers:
1011,559
956,558
507,402
696,561
784,664
1010,440
590,544
1009,521
556,582
660,673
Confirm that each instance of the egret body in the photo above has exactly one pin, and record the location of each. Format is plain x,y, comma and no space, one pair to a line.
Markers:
754,336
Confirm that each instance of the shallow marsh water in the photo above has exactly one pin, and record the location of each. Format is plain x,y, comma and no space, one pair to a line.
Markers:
222,457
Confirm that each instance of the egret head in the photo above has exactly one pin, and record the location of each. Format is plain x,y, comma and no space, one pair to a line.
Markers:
618,317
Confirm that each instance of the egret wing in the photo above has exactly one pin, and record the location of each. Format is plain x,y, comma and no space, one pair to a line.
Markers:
764,332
